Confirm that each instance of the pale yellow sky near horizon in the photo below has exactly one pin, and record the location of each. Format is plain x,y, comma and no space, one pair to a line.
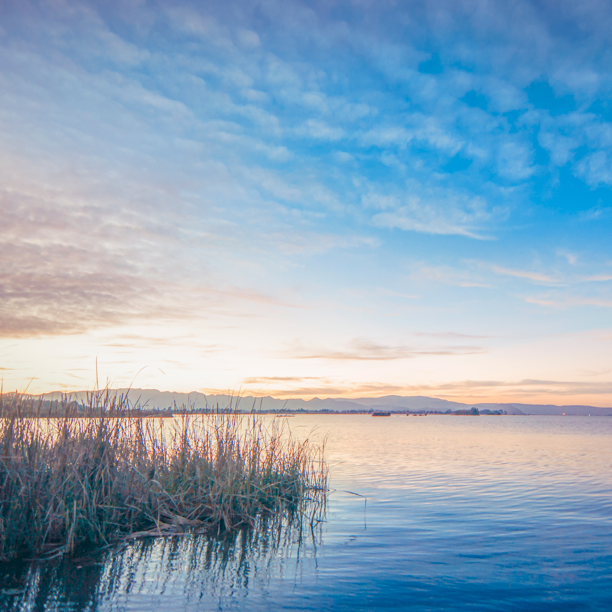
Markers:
179,362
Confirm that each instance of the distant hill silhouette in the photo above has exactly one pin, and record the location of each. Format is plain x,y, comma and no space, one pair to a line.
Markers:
166,400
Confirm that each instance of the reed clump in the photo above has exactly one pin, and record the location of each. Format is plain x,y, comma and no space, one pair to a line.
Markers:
77,481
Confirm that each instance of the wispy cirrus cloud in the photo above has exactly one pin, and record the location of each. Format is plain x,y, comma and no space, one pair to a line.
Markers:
257,380
447,335
536,277
446,275
433,211
76,257
569,302
598,278
365,350
59,275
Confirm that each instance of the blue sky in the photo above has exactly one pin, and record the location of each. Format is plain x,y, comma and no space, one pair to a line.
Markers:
299,199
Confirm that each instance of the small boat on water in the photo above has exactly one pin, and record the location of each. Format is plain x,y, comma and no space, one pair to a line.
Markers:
381,414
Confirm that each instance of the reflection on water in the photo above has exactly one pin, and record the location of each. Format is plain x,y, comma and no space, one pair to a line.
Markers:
478,513
186,571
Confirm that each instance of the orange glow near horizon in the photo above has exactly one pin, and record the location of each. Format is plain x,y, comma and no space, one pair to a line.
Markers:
536,371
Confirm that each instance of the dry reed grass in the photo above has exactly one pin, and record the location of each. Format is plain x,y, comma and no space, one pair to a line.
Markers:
72,482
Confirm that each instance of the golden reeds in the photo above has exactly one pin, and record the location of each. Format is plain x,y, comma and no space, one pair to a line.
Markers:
93,479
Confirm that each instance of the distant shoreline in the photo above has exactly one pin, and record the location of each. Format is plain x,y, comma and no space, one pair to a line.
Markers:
158,403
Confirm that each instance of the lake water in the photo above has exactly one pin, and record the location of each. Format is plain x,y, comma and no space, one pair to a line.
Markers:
458,513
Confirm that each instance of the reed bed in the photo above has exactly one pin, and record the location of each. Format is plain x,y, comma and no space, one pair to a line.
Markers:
72,482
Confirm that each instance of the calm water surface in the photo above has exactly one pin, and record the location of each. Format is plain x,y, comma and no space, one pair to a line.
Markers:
457,513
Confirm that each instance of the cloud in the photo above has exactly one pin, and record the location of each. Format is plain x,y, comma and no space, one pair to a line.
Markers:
365,350
569,302
515,161
513,391
272,379
599,302
58,276
536,277
406,296
343,389
596,168
385,136
319,130
446,275
241,105
571,258
343,157
447,335
528,387
249,295
434,212
308,243
543,302
599,278
559,147
595,213
77,256
600,372
348,390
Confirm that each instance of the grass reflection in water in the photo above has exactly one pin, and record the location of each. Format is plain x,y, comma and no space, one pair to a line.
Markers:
192,567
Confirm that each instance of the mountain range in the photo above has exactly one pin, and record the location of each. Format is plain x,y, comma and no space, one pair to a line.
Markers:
167,400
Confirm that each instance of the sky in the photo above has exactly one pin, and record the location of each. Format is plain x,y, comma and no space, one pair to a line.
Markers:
299,199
